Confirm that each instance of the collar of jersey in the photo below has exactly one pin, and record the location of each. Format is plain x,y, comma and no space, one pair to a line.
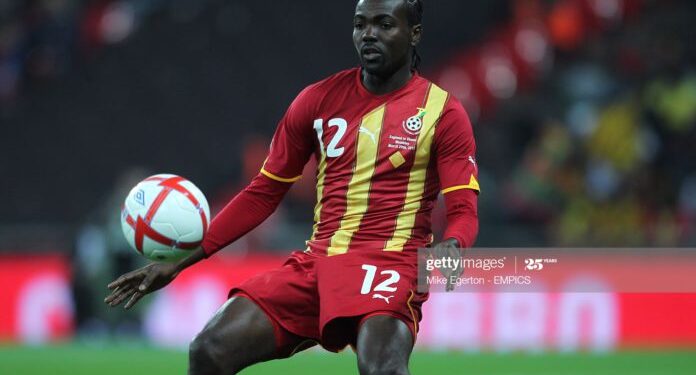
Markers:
366,93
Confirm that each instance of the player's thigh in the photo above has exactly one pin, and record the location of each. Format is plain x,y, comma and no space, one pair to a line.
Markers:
384,346
238,335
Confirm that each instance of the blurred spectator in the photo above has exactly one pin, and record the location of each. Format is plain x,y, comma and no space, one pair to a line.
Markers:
101,255
616,171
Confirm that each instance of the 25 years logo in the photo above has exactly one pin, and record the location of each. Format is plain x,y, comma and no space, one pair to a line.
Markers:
537,264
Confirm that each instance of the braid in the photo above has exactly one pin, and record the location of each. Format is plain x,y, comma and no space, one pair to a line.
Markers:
415,17
415,60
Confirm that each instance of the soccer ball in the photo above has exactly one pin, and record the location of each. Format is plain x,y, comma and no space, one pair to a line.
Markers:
165,217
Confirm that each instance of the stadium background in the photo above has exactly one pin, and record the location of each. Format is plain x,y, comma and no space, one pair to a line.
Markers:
584,113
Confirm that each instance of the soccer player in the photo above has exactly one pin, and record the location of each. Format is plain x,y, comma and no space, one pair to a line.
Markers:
387,142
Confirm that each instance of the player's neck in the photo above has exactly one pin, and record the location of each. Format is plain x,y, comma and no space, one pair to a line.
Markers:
379,85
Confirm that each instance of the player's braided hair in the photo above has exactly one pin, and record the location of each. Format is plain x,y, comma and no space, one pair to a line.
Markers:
415,17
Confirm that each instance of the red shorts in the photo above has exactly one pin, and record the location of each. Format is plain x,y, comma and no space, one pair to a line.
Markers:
326,298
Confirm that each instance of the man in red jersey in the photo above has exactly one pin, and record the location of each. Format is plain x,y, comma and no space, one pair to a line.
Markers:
387,142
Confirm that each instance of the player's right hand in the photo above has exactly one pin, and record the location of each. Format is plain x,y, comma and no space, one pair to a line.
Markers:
449,248
136,284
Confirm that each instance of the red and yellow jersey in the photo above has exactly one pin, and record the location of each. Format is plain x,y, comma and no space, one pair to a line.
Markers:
382,160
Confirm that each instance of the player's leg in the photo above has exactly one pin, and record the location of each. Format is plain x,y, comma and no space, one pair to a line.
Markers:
238,335
384,346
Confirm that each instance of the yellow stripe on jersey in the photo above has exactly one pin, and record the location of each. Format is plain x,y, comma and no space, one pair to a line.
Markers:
435,104
321,173
359,185
473,185
278,178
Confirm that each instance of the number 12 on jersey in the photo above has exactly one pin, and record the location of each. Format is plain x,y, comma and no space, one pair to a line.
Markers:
384,286
331,151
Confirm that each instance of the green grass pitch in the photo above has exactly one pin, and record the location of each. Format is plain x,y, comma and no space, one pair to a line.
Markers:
128,360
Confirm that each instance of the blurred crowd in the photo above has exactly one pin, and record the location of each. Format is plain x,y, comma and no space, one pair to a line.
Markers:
607,156
41,40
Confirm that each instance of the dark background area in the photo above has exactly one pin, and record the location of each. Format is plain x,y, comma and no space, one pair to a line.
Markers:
182,95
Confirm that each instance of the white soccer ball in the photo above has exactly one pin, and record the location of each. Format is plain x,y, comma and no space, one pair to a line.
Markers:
165,217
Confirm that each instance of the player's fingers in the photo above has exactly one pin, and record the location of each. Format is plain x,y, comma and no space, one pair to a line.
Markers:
116,283
458,272
450,284
459,269
121,297
136,297
452,281
446,250
125,278
145,284
116,293
455,253
113,295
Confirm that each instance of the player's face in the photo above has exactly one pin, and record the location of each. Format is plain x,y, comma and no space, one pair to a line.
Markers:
382,36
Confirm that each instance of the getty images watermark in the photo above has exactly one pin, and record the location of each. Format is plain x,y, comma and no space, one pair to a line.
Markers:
558,270
451,270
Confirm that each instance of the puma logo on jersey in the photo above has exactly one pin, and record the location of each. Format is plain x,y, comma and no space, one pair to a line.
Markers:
364,130
377,295
473,161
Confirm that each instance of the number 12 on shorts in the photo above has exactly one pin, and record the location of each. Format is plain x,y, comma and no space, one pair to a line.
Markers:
384,286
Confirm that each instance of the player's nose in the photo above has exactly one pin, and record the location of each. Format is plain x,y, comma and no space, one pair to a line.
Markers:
369,34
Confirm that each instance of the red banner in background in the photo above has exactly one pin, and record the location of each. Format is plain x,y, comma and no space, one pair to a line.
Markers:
561,321
36,306
36,303
653,320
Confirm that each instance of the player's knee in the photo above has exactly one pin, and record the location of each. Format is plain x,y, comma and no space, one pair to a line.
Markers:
206,357
201,356
382,367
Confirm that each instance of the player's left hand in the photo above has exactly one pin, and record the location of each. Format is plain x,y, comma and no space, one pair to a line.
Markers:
449,248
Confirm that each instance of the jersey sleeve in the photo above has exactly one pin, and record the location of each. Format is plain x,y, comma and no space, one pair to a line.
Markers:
293,141
462,216
251,207
455,150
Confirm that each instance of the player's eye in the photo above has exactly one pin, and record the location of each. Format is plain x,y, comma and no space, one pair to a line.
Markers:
387,26
358,25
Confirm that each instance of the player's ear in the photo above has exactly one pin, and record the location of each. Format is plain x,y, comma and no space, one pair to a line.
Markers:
416,32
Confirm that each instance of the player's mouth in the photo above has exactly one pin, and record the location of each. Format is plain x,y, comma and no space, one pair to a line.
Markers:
370,53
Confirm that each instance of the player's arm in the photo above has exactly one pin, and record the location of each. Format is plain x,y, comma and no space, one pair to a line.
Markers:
456,165
292,146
